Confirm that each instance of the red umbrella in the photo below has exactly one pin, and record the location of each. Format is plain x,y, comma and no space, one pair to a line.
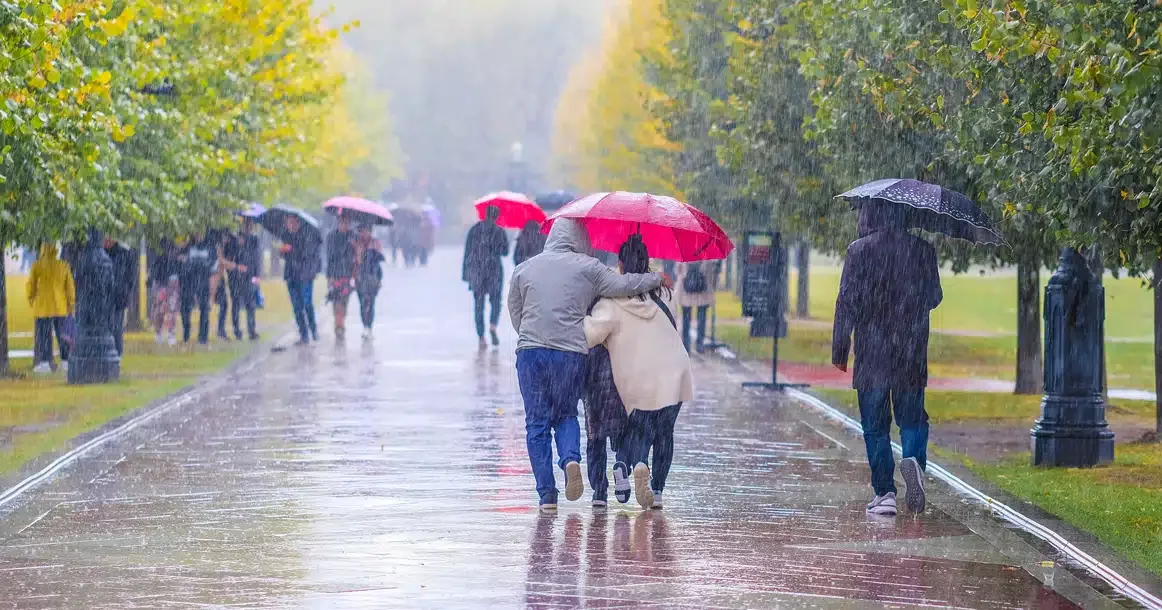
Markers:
361,211
671,230
515,209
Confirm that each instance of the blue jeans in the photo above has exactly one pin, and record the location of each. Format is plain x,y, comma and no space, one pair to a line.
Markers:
302,298
875,410
646,430
551,384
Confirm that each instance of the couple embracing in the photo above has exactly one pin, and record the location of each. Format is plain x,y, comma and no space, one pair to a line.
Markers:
564,302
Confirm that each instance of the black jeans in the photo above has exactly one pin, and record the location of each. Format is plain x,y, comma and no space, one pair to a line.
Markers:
702,309
196,296
42,339
367,293
242,297
494,312
595,463
646,430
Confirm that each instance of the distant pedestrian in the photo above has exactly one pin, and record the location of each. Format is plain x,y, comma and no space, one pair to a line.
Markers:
219,281
165,277
651,373
340,272
368,276
890,284
697,283
124,267
483,270
198,260
52,295
427,239
301,250
243,256
529,243
547,301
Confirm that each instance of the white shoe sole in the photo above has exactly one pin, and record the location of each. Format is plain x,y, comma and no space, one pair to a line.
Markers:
914,497
573,484
884,511
621,485
641,486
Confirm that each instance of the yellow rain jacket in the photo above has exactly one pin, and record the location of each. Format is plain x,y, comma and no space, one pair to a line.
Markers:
51,291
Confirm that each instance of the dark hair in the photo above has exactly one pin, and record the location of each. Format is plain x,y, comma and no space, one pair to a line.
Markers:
635,258
492,213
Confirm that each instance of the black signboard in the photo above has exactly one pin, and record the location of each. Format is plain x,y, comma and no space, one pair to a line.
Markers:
764,286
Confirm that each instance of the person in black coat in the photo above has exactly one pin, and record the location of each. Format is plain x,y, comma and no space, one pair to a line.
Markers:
890,284
198,259
483,270
340,271
301,248
124,267
529,243
243,256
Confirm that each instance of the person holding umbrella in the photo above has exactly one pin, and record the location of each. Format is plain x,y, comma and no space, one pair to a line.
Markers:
889,286
548,298
529,243
340,272
199,261
483,270
300,249
243,256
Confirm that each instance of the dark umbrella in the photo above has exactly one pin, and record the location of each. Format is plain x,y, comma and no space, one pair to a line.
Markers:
931,208
273,220
555,200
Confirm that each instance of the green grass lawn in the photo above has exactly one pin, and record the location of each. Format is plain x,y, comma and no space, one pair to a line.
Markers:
42,414
984,304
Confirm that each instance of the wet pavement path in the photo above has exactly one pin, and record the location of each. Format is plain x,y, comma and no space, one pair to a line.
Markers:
393,474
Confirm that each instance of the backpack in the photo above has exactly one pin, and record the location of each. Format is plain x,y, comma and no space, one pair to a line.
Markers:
695,282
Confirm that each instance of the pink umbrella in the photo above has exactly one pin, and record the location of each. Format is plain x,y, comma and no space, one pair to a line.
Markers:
516,210
361,211
671,230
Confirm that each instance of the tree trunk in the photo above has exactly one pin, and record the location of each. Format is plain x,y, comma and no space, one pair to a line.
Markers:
3,315
1030,374
133,322
803,296
1158,348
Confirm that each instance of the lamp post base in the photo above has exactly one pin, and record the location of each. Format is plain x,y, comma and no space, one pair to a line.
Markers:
1072,433
94,360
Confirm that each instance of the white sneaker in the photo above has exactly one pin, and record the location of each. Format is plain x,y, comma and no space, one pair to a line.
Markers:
883,505
367,333
914,497
657,499
42,368
621,488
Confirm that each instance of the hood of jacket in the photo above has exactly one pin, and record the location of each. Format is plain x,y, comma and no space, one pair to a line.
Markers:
49,251
645,309
568,235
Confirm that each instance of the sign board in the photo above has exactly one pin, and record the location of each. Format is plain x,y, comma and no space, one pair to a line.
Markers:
764,272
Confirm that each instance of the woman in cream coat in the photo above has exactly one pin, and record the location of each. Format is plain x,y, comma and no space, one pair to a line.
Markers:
651,370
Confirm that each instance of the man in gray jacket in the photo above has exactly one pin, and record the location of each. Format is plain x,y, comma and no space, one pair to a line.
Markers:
548,299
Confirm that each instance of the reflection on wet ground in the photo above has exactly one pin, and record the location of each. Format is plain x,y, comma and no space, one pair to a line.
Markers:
393,474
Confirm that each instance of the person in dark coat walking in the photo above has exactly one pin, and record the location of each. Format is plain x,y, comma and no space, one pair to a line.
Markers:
483,270
300,248
341,272
124,267
198,261
368,275
529,243
890,284
243,256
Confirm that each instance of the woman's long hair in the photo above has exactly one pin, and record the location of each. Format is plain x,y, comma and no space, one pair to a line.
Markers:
635,258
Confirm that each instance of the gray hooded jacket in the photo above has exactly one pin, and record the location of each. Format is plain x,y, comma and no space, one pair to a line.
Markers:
550,293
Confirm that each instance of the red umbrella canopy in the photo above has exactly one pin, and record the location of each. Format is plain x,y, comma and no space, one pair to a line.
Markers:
516,210
672,230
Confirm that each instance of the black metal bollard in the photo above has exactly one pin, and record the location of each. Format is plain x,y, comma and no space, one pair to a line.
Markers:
1072,430
94,358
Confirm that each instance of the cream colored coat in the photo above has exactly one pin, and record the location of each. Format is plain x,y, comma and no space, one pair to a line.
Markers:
651,369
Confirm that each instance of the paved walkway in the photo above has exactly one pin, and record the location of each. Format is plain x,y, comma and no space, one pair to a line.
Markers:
393,474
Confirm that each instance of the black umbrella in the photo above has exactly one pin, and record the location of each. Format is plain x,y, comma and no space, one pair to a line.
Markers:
551,202
274,218
931,208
